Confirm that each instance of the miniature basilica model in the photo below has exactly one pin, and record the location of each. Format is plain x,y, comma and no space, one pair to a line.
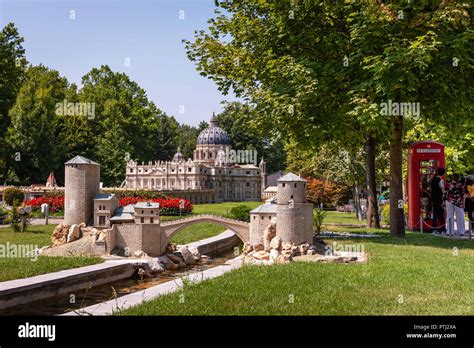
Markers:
208,178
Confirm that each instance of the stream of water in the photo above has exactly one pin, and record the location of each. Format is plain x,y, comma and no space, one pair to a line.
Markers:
87,297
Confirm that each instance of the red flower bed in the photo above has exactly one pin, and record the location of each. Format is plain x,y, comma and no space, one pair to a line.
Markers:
168,206
55,203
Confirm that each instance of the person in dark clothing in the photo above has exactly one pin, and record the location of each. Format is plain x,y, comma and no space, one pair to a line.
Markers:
437,188
469,203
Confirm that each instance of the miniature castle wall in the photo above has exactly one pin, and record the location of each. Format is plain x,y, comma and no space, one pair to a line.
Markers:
258,224
294,215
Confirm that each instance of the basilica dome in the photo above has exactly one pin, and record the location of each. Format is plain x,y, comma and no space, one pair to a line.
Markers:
213,135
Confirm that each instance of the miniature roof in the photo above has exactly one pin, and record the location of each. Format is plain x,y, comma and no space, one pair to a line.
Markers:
265,208
271,189
291,177
147,205
80,160
104,196
123,213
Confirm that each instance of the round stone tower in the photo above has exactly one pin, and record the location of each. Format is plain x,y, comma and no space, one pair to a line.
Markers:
82,183
294,218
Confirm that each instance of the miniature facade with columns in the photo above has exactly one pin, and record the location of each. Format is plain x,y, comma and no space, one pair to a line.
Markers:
210,171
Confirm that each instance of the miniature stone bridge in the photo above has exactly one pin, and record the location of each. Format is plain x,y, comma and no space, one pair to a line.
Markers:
240,228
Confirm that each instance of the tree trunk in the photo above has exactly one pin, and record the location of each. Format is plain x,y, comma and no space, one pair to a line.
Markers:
397,221
355,196
373,220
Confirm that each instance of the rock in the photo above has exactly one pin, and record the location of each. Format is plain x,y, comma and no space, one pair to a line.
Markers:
175,257
155,265
261,255
258,247
139,253
286,246
74,233
247,248
171,248
304,248
101,237
284,258
188,257
59,235
295,250
167,263
275,243
274,253
82,225
268,234
311,252
205,259
195,252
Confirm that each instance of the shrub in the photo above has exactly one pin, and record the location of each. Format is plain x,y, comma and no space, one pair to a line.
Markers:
12,194
241,212
318,218
386,212
326,192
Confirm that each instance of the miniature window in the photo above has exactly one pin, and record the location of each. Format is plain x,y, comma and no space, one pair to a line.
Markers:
151,220
142,211
283,185
295,185
142,220
262,217
189,169
291,196
254,217
248,184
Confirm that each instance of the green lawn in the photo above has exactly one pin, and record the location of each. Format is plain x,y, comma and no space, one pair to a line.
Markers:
334,217
36,235
417,275
197,232
205,230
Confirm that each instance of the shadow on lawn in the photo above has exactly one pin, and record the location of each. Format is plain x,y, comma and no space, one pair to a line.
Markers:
411,238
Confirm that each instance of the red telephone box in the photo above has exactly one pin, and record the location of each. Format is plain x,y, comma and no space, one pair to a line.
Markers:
424,159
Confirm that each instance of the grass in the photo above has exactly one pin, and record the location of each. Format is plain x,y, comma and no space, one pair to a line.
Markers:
196,232
334,217
205,230
35,236
417,275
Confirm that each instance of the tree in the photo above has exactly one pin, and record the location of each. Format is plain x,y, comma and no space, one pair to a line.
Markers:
12,67
113,147
289,59
34,131
145,126
237,120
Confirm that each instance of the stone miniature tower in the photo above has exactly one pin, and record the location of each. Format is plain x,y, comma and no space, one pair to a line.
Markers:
263,176
294,217
82,183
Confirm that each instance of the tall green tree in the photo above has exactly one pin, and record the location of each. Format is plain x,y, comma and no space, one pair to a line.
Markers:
34,133
238,120
12,73
312,67
114,147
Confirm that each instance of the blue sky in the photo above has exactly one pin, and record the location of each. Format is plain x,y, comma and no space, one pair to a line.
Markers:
147,32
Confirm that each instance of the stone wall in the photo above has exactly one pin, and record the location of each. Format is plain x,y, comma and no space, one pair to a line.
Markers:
258,226
145,237
81,186
295,225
